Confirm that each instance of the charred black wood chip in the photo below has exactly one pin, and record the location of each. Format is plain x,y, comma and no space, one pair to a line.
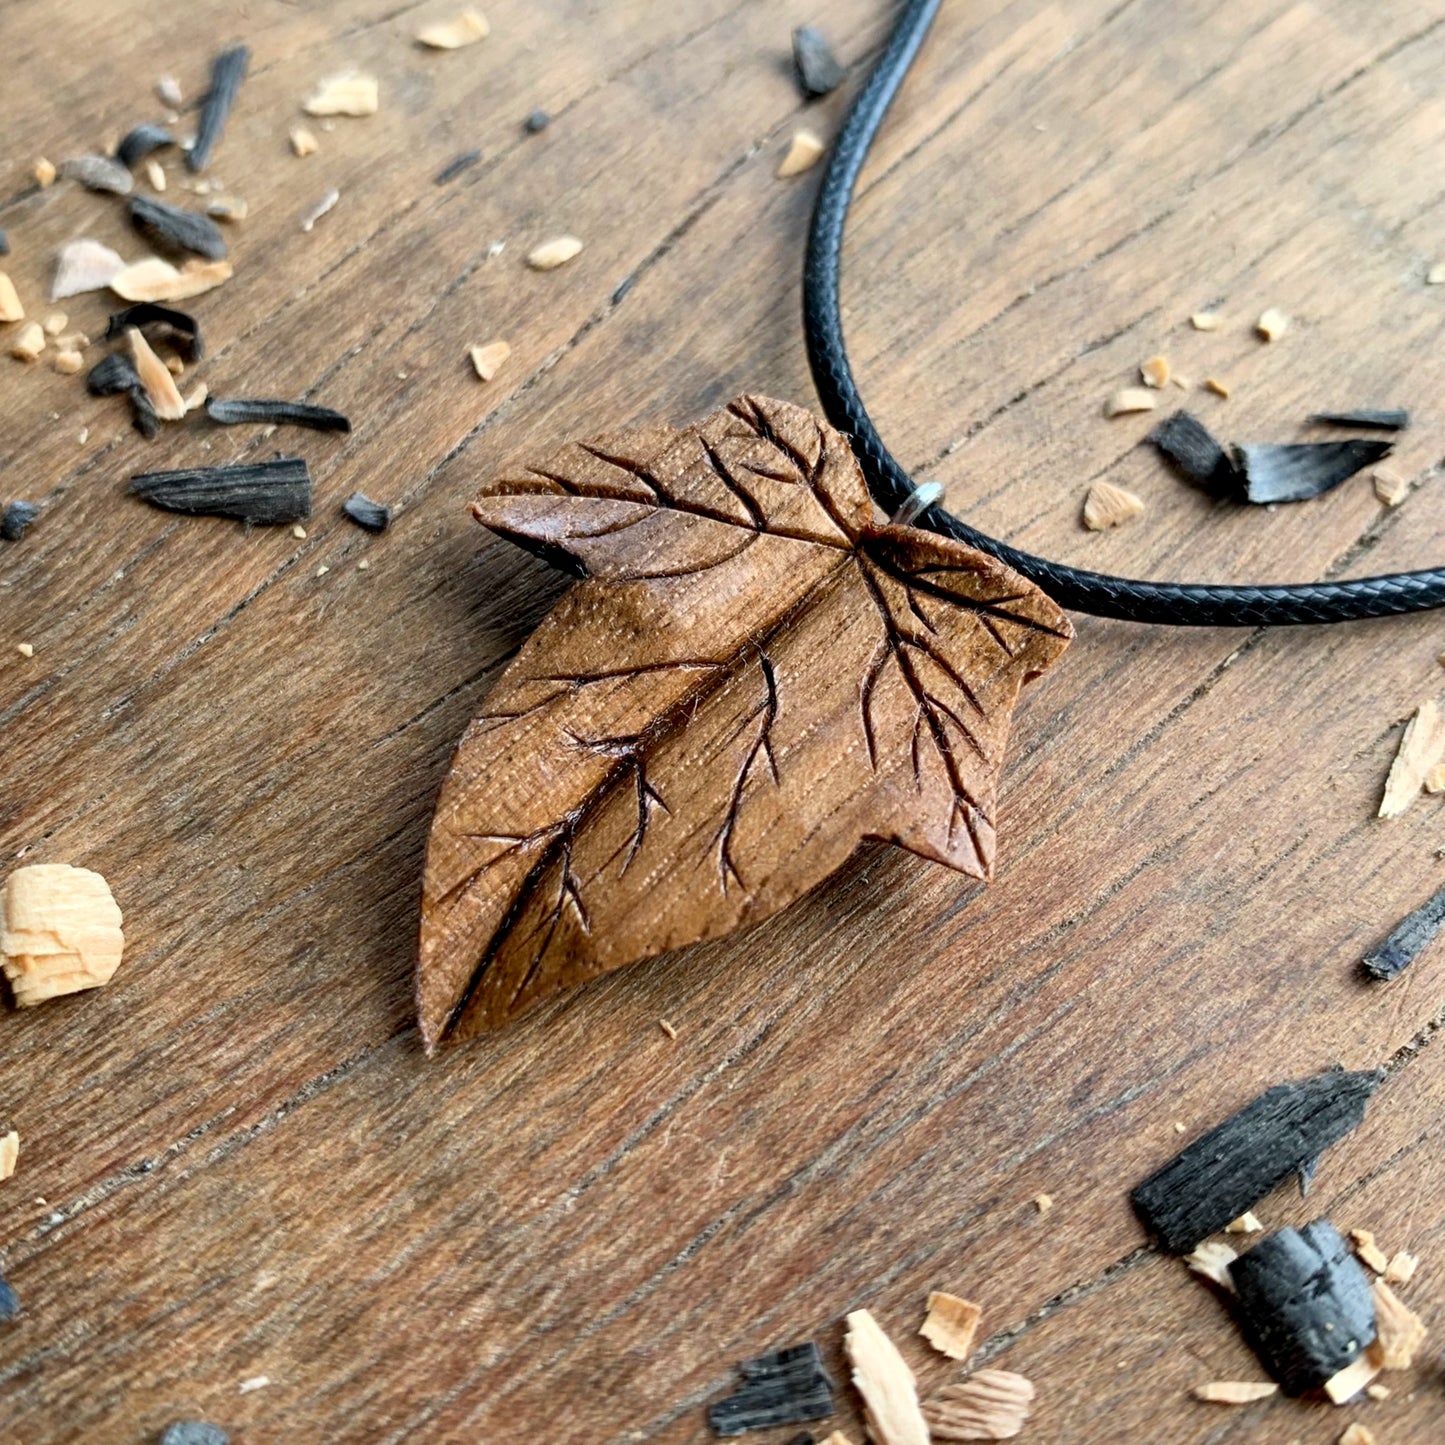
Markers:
456,166
4,244
266,493
111,375
1304,1304
228,70
9,1302
15,519
785,1387
173,229
140,142
1380,419
539,120
143,414
1231,1168
1411,937
1191,446
281,413
194,1432
180,329
370,516
819,72
1296,471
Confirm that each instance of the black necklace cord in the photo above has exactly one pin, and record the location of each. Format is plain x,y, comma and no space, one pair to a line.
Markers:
1170,603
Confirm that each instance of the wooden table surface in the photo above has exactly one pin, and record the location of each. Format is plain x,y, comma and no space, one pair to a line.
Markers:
237,1162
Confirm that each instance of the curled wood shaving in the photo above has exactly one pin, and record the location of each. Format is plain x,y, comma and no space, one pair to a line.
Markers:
989,1405
352,94
1218,387
487,360
1108,506
155,377
1357,1434
303,142
59,932
1155,372
157,280
890,1395
1212,1260
1368,1252
803,154
1401,1331
551,254
951,1324
1130,399
9,1152
468,28
1390,487
1402,1266
1344,1385
28,342
1234,1392
1420,749
1247,1223
10,307
1272,324
1206,321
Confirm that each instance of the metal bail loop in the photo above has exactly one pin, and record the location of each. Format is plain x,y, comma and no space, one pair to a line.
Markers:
923,496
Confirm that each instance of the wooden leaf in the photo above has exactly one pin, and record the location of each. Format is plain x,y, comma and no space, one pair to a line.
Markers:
754,676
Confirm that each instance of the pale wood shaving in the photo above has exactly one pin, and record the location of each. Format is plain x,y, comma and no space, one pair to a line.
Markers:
155,174
43,173
1420,749
804,152
1344,1385
1234,1392
1435,779
156,280
1130,399
1218,387
155,377
28,342
67,363
551,254
1402,1266
1247,1223
55,323
468,28
1043,1202
9,1153
25,649
1399,1330
487,360
1107,506
81,266
667,1028
1368,1252
1155,372
1435,276
1390,487
196,397
1272,324
1206,321
352,94
1378,1392
227,208
303,142
320,209
1357,1434
1212,1260
890,1395
989,1405
60,932
10,307
951,1324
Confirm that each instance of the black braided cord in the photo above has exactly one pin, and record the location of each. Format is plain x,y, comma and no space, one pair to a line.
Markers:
1178,604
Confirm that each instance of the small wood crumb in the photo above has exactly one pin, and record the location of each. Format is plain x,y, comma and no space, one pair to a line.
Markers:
1212,1260
551,254
319,209
73,341
55,323
804,152
322,570
487,360
1130,399
1206,321
256,1382
1107,506
667,1028
1218,387
1402,1266
1182,382
25,649
1390,487
83,436
9,1153
1357,1434
299,532
468,28
1435,276
890,1394
1344,1385
67,363
155,174
28,342
1272,324
1378,1391
1401,1331
363,565
43,173
1043,1202
227,208
1420,749
1368,1252
1247,1223
951,1324
303,142
168,89
1234,1392
345,95
10,307
60,932
989,1405
155,377
1155,372
1178,1127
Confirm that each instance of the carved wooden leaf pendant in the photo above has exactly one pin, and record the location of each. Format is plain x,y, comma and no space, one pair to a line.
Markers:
754,676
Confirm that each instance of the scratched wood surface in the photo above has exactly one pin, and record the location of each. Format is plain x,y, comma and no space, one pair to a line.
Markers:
236,1160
